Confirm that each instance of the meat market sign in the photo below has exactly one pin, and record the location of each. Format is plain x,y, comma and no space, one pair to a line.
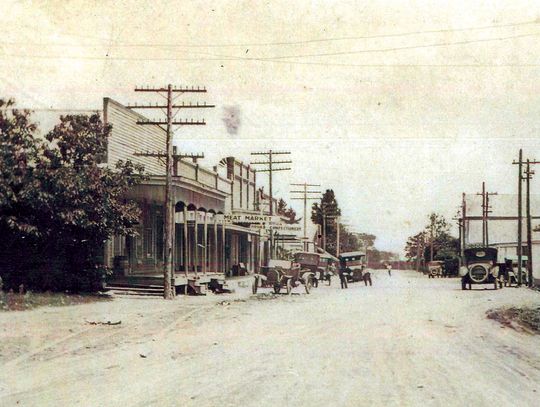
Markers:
246,218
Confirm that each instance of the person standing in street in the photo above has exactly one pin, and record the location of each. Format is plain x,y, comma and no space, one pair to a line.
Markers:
343,273
389,268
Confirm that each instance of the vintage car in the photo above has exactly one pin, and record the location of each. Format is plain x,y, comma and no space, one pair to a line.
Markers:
280,274
355,262
451,266
310,262
509,270
435,268
327,267
480,267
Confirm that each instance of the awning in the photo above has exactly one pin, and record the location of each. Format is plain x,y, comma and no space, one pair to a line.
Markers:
242,229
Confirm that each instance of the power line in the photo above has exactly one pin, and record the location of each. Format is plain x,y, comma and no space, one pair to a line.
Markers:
392,49
275,43
278,58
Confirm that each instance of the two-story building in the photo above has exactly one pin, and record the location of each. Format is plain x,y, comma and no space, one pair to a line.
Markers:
205,246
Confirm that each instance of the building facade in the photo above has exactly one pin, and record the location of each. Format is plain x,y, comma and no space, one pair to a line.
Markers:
216,233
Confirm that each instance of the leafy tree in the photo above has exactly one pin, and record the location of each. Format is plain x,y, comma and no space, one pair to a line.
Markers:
368,240
348,241
434,240
58,203
18,158
444,245
414,247
287,212
328,208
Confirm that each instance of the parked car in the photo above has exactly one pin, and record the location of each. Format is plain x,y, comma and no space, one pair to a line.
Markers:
480,267
280,274
435,268
509,270
355,262
327,267
309,261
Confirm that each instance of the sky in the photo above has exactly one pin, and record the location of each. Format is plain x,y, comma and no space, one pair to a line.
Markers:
398,106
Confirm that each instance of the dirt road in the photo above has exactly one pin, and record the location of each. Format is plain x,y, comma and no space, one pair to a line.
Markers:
407,340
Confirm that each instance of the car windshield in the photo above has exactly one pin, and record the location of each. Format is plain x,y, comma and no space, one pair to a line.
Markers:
307,258
353,260
486,254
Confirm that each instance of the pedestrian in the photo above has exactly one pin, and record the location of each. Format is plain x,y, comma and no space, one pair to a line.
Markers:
367,278
389,268
343,273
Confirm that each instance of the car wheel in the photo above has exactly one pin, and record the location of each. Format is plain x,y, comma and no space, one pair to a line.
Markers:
308,285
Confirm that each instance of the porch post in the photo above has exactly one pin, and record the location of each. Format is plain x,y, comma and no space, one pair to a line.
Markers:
205,242
216,261
223,265
186,243
196,245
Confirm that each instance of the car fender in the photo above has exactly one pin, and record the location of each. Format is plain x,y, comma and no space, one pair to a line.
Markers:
260,277
307,275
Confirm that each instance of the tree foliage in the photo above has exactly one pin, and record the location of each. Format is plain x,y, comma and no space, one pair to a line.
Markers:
325,213
58,203
435,236
285,211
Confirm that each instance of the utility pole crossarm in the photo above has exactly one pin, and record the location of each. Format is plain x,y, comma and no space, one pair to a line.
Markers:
273,162
273,169
185,106
270,152
177,123
180,89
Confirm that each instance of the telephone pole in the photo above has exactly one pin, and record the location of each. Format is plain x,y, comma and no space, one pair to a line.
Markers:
306,197
485,213
332,214
168,218
459,221
521,178
464,223
528,175
270,169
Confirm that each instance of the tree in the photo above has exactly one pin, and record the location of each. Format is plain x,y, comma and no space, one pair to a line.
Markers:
58,203
348,241
325,214
414,247
434,240
18,158
444,245
436,227
368,240
287,212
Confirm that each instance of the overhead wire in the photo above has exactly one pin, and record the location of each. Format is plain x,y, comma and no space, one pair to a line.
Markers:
277,43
